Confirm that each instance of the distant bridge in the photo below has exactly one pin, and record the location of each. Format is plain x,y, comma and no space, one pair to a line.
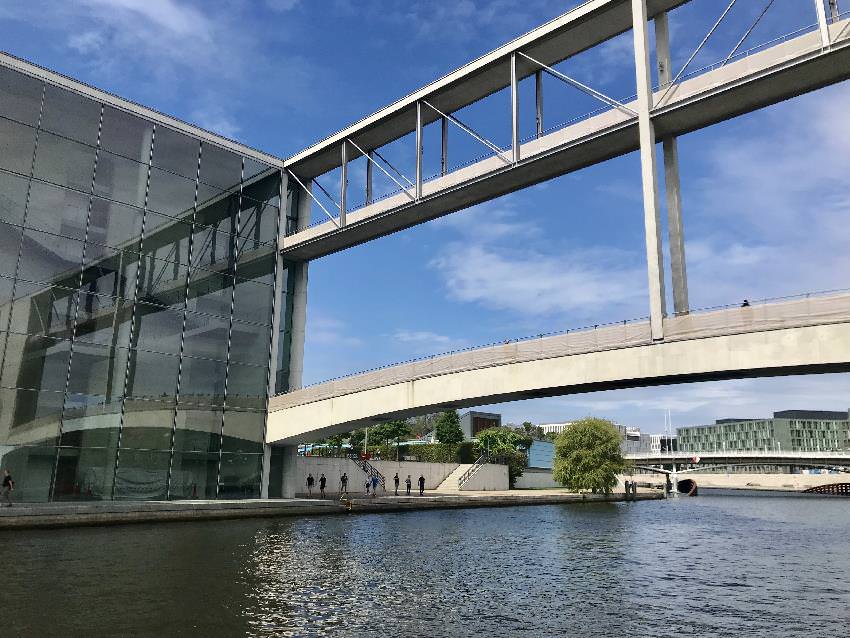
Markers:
838,460
807,335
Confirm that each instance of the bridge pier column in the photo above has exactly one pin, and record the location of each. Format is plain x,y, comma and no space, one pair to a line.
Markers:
672,186
649,172
291,478
674,477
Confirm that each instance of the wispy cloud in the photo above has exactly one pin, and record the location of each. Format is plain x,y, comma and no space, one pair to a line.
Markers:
328,331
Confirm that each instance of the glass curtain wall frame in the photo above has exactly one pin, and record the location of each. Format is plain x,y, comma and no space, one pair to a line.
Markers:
91,285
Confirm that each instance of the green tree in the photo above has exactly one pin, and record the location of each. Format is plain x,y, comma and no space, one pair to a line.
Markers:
588,456
355,440
508,444
448,427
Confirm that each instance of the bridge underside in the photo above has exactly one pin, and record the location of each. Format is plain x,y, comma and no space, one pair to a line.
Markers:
790,351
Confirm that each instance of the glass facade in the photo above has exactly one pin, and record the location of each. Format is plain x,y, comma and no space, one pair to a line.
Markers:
137,291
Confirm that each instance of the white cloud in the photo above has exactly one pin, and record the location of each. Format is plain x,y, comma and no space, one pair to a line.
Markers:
328,331
427,342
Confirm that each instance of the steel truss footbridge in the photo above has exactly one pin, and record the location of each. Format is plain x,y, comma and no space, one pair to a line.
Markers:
792,336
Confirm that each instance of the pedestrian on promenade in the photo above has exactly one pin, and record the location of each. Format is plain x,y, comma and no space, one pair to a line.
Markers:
395,480
322,483
343,484
375,481
408,483
8,487
421,485
310,481
368,483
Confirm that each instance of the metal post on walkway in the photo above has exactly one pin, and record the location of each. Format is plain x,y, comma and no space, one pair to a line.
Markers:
444,146
343,181
649,173
538,101
418,187
823,27
515,145
370,159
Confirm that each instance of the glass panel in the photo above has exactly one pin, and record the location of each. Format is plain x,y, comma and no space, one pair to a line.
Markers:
163,283
6,284
257,224
98,370
246,386
265,190
10,241
253,301
198,429
13,197
169,240
220,213
202,382
209,196
158,329
43,310
171,194
212,248
249,344
29,417
31,468
57,210
115,224
71,115
121,179
17,144
64,162
20,96
35,362
240,475
194,475
243,431
206,336
210,292
176,152
50,258
85,474
147,425
103,319
142,475
91,421
109,271
220,168
152,375
254,167
126,135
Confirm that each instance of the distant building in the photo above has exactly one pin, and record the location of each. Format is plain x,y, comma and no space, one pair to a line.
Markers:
473,422
555,428
541,454
788,430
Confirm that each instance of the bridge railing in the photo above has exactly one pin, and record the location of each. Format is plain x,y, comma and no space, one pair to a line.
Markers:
685,456
831,306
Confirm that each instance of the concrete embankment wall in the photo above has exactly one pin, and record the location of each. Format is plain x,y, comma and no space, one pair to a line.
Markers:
333,468
488,478
535,479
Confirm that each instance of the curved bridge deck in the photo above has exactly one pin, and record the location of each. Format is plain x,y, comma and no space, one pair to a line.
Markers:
801,335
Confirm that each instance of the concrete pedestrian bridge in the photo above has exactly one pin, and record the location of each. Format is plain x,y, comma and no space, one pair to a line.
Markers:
803,335
814,458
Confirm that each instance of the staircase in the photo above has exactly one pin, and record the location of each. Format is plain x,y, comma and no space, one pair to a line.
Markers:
452,482
370,471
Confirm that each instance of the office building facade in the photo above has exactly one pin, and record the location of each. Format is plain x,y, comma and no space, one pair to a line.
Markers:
142,299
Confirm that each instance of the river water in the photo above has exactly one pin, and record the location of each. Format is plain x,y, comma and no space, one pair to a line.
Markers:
721,564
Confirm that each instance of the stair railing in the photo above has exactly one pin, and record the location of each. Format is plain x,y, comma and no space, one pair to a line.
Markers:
479,462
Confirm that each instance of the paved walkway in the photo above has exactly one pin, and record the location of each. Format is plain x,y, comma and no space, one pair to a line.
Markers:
29,515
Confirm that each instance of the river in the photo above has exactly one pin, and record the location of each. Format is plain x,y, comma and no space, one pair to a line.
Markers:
721,564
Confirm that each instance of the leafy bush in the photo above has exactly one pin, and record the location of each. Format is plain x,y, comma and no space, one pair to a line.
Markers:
588,456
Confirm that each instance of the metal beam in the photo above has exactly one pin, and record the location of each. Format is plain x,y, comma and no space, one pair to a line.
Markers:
672,185
649,172
418,150
309,191
343,181
444,150
369,161
515,144
538,101
499,152
822,25
834,11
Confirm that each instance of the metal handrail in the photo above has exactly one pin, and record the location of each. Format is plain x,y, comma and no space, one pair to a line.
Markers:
371,471
480,461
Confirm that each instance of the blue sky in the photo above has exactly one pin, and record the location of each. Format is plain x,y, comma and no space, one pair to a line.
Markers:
766,196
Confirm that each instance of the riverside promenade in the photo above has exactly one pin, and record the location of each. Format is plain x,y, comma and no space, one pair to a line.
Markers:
39,515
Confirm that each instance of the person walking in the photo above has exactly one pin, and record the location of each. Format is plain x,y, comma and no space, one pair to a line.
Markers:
343,484
421,485
375,481
368,483
8,487
322,483
408,483
396,480
310,481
